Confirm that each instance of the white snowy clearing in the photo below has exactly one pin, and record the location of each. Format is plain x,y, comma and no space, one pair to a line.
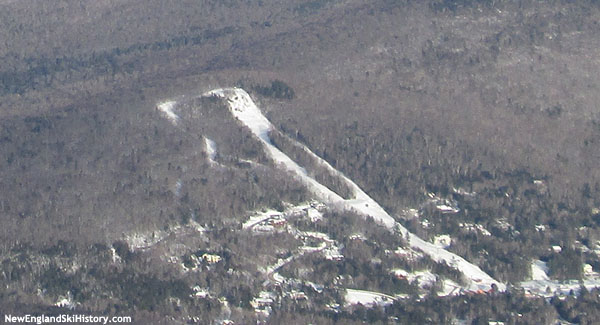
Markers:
211,149
474,228
539,271
260,216
367,298
540,282
442,241
450,288
148,239
408,253
66,302
167,109
424,279
245,110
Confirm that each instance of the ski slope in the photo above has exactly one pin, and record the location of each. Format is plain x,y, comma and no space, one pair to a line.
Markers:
166,108
211,149
246,112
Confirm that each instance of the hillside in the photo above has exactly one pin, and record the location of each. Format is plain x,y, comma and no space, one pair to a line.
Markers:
322,161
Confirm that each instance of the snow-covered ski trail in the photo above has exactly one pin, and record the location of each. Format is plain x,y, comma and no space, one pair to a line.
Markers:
245,110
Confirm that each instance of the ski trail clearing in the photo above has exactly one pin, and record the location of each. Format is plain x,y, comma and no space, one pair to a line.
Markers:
245,110
166,109
211,150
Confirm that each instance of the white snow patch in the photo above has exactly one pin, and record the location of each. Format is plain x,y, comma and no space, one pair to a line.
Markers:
503,224
462,191
562,288
333,253
314,215
262,304
367,298
424,279
211,149
442,241
144,240
541,285
425,224
278,277
317,235
196,226
450,288
115,257
447,209
412,213
261,218
539,271
358,236
66,302
167,109
475,228
200,292
400,273
311,249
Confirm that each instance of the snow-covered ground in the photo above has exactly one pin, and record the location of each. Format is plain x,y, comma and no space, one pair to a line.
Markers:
408,253
367,298
539,271
542,285
475,228
450,288
145,240
442,241
200,292
245,110
166,109
66,302
423,278
447,209
259,217
211,149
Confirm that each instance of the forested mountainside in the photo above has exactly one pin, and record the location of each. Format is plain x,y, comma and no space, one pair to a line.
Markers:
126,190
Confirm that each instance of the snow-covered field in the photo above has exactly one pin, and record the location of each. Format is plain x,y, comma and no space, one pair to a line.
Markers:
211,149
542,285
245,110
259,217
539,271
145,240
167,109
367,298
